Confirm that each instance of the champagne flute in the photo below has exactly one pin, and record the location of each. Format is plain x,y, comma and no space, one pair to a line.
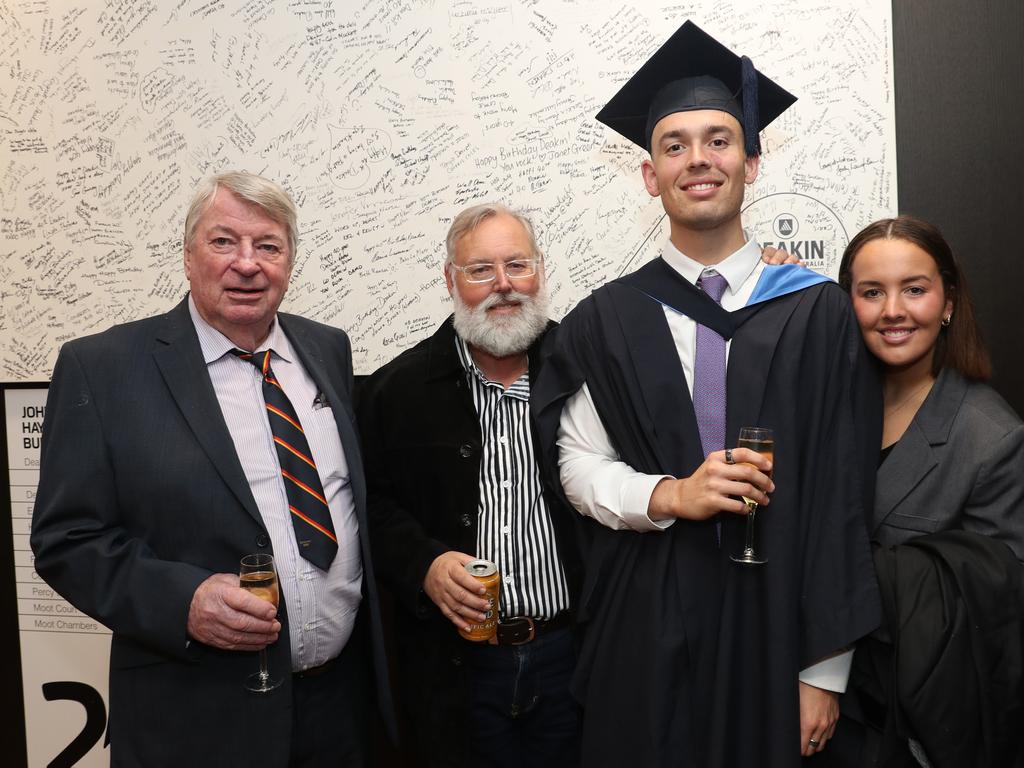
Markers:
257,575
763,441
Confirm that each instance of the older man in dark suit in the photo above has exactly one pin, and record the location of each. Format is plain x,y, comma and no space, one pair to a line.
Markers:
165,460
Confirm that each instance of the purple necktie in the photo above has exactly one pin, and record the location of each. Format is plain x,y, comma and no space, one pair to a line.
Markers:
709,374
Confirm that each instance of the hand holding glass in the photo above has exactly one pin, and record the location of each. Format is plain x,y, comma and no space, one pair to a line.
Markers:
762,441
257,575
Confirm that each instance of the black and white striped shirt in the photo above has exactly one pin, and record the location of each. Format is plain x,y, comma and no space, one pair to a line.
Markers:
514,527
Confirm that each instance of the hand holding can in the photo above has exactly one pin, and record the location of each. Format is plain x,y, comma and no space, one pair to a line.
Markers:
487,574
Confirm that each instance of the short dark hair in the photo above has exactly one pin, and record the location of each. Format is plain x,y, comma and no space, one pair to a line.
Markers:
959,345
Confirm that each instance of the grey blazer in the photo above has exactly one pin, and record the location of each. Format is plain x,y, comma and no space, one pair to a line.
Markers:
960,464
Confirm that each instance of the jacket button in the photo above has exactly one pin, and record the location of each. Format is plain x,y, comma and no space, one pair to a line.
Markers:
262,540
456,661
466,450
466,521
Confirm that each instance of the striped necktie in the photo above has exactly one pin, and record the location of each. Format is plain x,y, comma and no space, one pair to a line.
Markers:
311,517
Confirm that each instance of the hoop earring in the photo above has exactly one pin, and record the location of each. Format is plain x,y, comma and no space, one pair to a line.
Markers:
946,319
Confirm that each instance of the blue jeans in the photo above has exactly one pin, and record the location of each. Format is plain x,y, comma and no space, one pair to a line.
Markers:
523,714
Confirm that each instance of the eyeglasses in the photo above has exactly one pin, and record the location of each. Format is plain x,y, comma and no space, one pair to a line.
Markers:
485,272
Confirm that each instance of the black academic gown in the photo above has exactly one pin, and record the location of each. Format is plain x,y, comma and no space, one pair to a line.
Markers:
689,659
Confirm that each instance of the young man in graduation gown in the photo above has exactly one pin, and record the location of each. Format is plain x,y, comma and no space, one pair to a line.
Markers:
691,659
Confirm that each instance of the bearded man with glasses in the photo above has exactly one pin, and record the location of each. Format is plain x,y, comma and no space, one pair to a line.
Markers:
452,476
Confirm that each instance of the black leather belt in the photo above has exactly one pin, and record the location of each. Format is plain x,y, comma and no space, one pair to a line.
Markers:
518,630
315,671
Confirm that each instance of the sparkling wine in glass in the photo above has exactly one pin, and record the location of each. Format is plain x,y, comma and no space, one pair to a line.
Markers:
257,575
761,440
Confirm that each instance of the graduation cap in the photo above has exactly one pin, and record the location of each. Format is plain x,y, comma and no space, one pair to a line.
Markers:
694,71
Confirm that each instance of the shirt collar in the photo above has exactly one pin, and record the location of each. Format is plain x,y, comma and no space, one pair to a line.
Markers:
215,344
520,387
735,268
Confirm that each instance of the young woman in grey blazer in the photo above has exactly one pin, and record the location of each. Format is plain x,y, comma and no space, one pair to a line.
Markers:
952,459
952,448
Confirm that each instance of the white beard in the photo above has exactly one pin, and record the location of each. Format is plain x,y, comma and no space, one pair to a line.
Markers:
502,335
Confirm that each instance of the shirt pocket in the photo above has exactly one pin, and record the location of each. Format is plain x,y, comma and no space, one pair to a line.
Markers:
325,441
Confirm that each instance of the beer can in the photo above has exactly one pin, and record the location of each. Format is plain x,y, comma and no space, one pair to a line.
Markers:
487,574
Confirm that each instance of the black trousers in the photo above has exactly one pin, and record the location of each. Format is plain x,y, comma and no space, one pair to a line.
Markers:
331,710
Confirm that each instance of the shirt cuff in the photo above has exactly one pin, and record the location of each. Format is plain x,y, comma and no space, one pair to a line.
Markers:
829,674
636,500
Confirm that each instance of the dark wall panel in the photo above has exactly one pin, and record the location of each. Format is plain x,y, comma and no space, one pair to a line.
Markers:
959,72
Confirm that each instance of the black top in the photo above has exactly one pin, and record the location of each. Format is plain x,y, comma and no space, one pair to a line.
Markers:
884,453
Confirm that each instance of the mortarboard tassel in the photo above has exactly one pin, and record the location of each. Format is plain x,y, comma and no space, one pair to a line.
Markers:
748,87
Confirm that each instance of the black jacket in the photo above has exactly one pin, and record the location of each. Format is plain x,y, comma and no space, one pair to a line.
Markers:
423,445
951,675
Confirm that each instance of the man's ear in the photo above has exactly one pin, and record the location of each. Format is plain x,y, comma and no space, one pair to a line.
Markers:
449,279
650,177
752,166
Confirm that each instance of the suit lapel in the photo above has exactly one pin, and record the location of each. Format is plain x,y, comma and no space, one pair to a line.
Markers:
312,357
911,459
180,360
914,455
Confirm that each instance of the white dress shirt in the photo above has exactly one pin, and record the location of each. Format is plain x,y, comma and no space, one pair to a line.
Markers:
321,605
595,481
601,486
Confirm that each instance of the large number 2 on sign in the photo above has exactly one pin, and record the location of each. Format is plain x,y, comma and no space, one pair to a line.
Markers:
95,719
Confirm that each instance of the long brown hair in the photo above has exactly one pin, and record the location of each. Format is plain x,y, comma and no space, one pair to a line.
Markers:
959,345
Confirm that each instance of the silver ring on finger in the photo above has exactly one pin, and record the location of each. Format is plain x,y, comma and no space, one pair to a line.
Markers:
728,456
814,743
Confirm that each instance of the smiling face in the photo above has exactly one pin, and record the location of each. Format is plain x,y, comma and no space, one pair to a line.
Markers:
502,317
237,264
699,169
497,239
900,302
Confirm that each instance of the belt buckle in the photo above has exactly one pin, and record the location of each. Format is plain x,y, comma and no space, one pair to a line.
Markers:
530,635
